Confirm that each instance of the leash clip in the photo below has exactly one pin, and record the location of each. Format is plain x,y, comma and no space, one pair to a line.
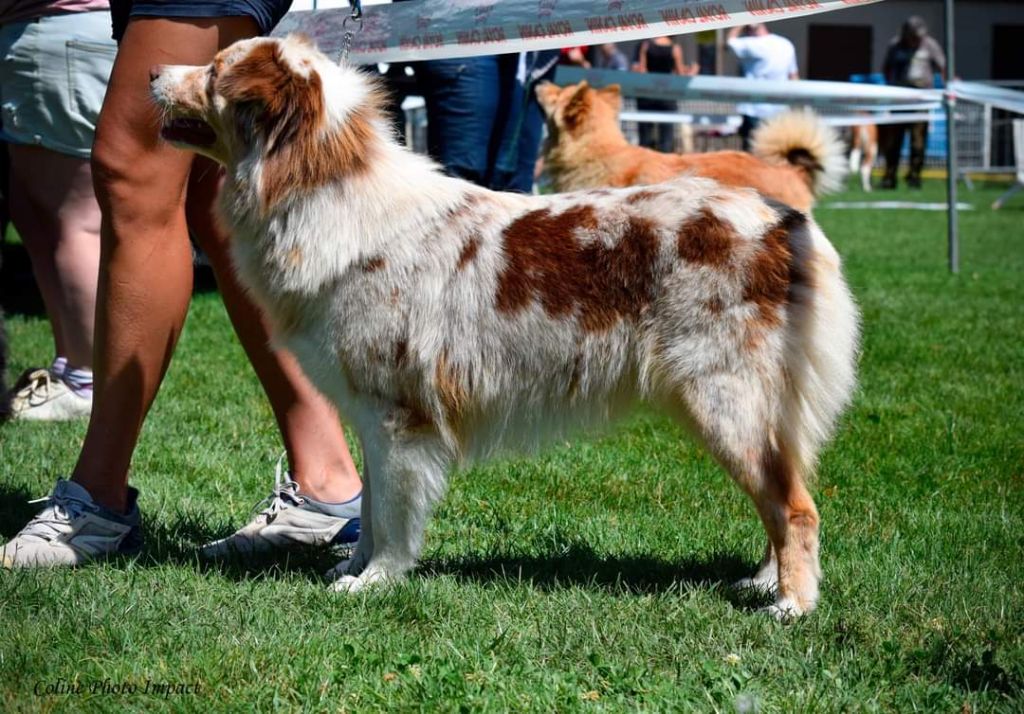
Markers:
356,16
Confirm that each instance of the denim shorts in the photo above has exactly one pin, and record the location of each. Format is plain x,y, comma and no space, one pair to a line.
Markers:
266,13
53,75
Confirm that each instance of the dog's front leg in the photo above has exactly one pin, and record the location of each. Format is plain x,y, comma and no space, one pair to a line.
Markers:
406,470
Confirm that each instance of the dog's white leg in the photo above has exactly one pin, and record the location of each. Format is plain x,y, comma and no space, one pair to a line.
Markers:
865,176
406,478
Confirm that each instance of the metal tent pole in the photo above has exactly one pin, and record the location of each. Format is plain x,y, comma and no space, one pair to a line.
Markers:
953,236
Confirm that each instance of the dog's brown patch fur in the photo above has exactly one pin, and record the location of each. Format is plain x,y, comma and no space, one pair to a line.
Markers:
641,196
451,388
599,285
372,265
706,240
290,109
468,254
773,269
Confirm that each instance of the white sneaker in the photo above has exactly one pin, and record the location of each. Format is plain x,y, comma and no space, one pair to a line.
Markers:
72,530
38,395
291,520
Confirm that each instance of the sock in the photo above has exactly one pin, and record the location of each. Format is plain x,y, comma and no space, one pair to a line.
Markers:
79,379
60,364
347,509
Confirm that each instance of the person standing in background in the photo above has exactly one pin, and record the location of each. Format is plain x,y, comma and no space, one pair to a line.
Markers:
574,57
609,56
912,60
660,56
56,61
483,120
151,196
762,55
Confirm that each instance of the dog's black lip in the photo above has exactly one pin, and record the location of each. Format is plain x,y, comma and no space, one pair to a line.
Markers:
187,130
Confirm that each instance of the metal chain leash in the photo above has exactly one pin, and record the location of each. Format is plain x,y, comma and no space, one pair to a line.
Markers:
355,16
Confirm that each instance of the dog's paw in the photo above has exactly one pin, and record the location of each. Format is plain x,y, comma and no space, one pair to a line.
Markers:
765,583
784,610
346,584
349,566
371,577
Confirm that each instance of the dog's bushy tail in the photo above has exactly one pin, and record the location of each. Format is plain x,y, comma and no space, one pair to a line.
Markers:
800,138
821,351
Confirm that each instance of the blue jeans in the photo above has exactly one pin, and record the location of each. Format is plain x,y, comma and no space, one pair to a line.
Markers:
483,124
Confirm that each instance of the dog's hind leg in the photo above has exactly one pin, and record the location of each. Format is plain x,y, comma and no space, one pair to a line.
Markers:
734,417
406,472
791,520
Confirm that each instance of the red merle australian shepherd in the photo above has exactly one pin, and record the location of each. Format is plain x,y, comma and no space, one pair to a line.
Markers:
448,322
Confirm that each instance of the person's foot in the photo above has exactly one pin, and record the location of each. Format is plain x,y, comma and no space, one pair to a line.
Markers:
72,529
291,520
913,182
39,395
888,182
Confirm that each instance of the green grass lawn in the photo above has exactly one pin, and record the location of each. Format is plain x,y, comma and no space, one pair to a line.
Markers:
595,576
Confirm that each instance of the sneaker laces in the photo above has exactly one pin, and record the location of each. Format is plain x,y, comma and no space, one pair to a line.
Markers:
34,388
61,509
285,493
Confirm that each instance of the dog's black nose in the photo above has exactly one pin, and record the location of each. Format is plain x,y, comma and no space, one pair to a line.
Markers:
154,72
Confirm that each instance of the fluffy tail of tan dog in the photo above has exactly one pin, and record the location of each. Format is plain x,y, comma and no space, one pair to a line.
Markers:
801,139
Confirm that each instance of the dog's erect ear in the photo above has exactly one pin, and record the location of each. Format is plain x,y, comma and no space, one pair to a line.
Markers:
578,106
547,96
259,77
612,95
267,85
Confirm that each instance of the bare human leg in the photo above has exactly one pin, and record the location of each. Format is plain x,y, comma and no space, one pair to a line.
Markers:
145,276
55,211
313,438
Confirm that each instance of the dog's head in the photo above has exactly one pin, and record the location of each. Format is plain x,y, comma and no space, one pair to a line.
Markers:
578,111
279,102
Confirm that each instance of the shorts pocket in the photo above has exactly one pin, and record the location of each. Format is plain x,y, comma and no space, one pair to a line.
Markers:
89,65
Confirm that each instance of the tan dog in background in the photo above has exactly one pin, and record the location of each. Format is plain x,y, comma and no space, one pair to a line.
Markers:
795,159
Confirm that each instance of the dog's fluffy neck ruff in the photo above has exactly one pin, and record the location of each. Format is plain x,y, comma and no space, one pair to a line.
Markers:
394,190
586,160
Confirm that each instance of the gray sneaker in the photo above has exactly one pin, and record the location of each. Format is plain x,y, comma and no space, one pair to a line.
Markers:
291,520
72,529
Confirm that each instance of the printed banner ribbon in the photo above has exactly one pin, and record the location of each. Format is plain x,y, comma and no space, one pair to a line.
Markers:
435,29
